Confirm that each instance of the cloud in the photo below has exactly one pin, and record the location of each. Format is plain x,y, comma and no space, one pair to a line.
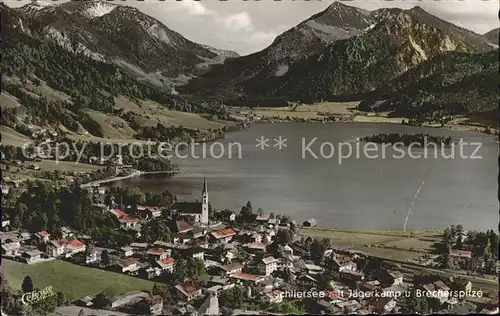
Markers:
238,22
193,7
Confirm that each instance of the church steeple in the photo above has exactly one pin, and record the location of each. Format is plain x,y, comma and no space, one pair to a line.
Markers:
204,186
204,203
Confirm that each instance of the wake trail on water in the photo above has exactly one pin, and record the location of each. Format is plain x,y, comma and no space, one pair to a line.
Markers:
412,205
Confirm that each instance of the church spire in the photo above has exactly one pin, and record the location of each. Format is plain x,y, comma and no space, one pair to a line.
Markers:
204,186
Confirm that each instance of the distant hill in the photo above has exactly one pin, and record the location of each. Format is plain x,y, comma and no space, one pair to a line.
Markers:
453,83
493,35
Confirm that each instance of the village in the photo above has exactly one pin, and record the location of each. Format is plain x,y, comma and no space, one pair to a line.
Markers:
213,265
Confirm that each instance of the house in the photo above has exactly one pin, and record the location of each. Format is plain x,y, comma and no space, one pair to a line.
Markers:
310,223
81,258
42,237
326,307
128,298
313,268
268,265
187,309
273,297
287,251
273,222
156,254
392,278
149,272
125,220
128,222
384,305
128,265
5,189
232,268
256,238
257,247
343,263
85,301
5,224
223,236
194,252
91,257
227,215
154,304
306,280
438,288
126,251
166,264
182,238
139,246
67,233
268,284
262,217
65,247
188,291
247,277
32,256
73,246
183,226
457,254
55,249
11,249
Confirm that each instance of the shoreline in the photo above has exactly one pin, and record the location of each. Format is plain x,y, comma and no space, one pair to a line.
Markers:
451,127
134,174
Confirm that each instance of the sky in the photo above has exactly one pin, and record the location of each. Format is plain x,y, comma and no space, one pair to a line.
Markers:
249,26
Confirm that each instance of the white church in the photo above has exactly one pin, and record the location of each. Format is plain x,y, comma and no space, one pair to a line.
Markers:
199,210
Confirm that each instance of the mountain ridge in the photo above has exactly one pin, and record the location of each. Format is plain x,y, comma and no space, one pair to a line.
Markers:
411,35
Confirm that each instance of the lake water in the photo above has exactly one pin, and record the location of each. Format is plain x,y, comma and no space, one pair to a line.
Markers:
361,192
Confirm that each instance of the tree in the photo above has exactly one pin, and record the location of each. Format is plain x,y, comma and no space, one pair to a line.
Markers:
417,305
317,249
156,290
105,257
283,237
232,298
249,206
101,301
246,212
60,298
168,298
27,285
191,268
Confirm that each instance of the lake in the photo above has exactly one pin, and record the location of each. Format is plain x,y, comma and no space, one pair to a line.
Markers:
360,192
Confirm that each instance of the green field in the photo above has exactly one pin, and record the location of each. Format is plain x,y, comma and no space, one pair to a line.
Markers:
73,280
393,245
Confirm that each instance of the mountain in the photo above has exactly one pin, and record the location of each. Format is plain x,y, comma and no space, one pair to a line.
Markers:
393,41
221,52
45,83
493,35
120,34
449,84
336,22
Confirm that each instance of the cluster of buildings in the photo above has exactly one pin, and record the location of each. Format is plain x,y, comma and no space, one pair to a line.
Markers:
250,258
